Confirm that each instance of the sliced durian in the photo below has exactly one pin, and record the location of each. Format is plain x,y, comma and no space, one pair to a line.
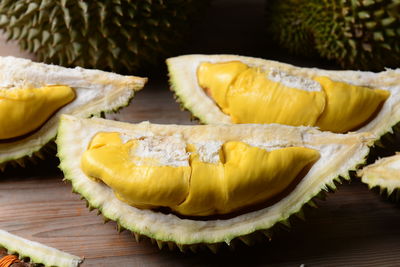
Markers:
36,252
34,95
167,145
384,173
237,89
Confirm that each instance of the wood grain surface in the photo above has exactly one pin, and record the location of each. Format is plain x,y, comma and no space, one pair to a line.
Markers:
352,227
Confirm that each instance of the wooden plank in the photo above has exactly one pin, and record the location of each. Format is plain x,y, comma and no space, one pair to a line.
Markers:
353,227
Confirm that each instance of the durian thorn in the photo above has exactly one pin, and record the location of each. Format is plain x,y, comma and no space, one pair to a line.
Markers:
286,223
389,191
300,215
160,244
105,219
312,204
267,234
182,248
214,248
137,236
120,228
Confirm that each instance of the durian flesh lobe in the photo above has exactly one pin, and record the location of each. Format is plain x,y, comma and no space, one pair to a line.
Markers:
342,152
198,188
46,92
185,83
121,35
355,34
24,110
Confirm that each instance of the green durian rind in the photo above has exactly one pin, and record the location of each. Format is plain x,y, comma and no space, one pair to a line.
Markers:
36,252
117,35
384,173
339,155
183,79
96,92
355,34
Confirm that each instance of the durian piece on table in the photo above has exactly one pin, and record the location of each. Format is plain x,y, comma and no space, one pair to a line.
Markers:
361,35
34,95
237,89
384,174
17,249
144,186
121,35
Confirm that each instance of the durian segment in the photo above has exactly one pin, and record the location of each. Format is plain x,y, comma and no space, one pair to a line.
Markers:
348,106
247,176
36,252
23,110
96,91
144,185
384,173
338,154
337,107
197,188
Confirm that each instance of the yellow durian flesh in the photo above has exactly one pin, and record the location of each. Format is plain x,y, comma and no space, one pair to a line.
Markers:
146,186
243,176
349,106
250,96
251,103
23,110
216,78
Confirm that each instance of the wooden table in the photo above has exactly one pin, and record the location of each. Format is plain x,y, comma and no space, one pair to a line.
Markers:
354,226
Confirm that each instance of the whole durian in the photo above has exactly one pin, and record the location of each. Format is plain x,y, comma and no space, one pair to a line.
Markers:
122,35
362,34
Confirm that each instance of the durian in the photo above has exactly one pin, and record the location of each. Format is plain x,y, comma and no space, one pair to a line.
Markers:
34,95
361,35
237,89
37,253
123,35
165,146
383,174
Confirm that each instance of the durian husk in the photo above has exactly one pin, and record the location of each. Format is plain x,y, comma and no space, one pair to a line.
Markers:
383,175
96,92
339,155
355,34
36,252
184,83
119,35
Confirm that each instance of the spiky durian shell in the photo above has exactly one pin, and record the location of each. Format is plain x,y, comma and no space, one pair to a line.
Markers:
362,34
122,35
